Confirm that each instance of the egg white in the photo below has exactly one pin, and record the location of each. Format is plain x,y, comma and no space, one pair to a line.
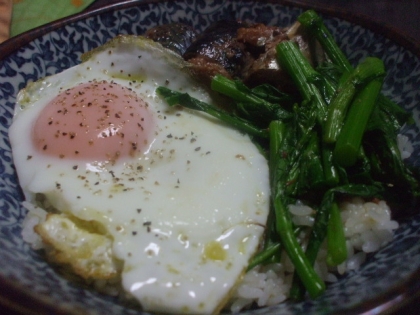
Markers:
187,214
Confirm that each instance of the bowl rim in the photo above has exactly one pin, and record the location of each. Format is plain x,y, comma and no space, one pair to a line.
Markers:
17,298
12,44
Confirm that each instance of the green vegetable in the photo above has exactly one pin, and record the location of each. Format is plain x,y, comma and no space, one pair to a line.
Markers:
313,283
389,116
259,105
300,134
284,227
316,27
312,171
331,173
401,183
176,98
336,139
370,69
383,161
302,74
337,249
265,255
320,228
350,138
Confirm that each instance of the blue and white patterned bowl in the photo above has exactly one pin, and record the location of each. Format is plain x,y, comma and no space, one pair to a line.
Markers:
28,283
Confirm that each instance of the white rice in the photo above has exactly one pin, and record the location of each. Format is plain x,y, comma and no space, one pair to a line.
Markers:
405,146
268,285
367,226
35,215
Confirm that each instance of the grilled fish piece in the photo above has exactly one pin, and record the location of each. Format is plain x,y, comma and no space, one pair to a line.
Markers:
175,36
217,50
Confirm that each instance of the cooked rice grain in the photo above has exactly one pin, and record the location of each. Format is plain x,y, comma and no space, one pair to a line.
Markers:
368,227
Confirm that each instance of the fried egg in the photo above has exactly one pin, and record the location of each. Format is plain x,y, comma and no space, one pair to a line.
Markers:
171,200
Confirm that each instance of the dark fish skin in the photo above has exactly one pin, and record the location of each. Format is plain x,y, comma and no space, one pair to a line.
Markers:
219,44
234,49
175,36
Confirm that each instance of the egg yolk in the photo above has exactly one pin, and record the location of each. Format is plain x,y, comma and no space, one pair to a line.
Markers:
100,121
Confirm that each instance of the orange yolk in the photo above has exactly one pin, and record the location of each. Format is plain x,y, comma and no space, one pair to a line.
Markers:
95,121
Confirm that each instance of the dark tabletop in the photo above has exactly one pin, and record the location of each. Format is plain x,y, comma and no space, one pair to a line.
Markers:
402,16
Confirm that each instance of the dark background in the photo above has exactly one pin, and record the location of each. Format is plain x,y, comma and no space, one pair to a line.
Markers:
400,17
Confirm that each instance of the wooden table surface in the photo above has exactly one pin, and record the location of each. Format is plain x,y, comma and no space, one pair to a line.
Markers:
401,16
